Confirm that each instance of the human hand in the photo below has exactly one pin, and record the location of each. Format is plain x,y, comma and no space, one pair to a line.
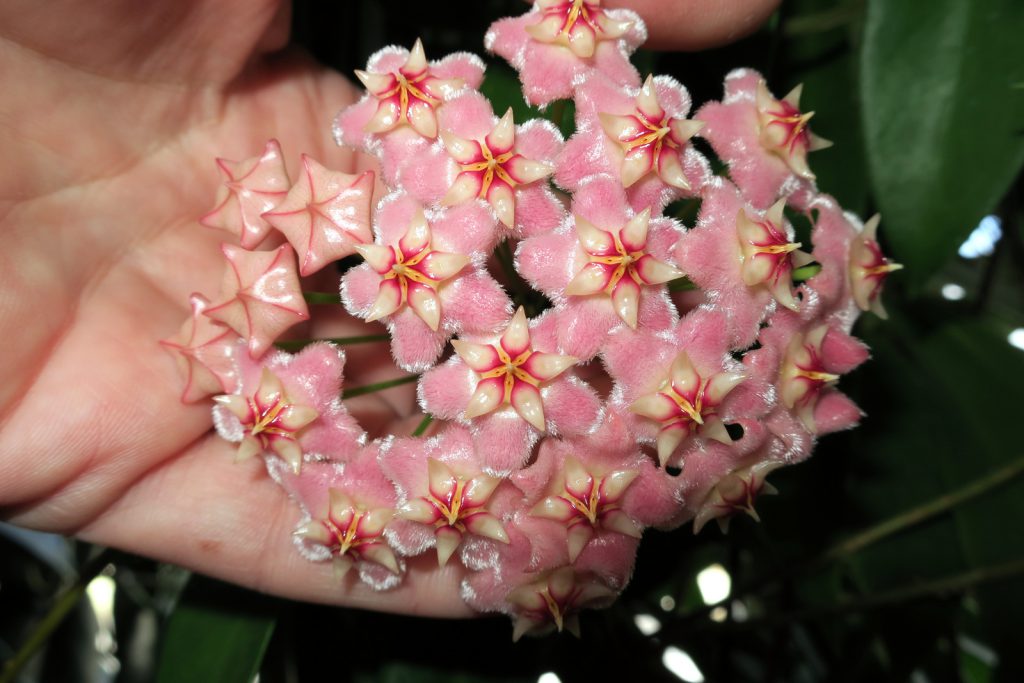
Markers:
112,115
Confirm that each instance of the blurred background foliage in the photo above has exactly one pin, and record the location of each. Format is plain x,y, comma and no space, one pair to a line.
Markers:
896,553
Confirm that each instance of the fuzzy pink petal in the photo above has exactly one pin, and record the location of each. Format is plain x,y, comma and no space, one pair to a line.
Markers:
547,260
571,406
468,116
464,65
475,302
444,391
538,210
504,440
466,228
414,345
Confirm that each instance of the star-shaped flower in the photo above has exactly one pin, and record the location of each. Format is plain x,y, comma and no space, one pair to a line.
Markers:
868,269
455,506
325,214
412,271
492,169
686,402
205,353
553,601
251,188
619,265
587,501
408,95
769,256
559,42
784,131
650,139
263,296
576,24
736,492
511,372
353,532
271,420
803,376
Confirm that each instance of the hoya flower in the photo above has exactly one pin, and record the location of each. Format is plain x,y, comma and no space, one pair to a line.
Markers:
764,140
205,352
397,117
769,254
250,188
604,268
325,215
552,601
805,360
483,157
637,135
736,492
713,256
290,406
681,386
353,532
869,268
686,401
426,278
511,372
559,41
510,389
347,510
260,296
445,494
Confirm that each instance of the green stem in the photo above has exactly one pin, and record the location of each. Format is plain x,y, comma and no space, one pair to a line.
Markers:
682,284
379,386
916,515
423,425
806,272
321,298
937,588
298,344
883,530
62,605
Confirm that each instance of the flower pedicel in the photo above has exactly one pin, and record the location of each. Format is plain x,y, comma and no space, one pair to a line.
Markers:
537,483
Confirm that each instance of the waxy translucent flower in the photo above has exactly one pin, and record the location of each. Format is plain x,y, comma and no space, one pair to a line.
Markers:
492,169
408,95
411,270
650,139
619,265
455,506
576,24
869,268
353,532
803,376
263,297
511,372
271,420
251,188
558,42
736,492
205,352
784,131
325,215
769,257
587,501
553,601
685,402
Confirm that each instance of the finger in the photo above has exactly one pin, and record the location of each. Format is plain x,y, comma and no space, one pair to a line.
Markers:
698,24
231,521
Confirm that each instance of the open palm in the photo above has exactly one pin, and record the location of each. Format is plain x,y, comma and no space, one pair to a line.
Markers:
110,117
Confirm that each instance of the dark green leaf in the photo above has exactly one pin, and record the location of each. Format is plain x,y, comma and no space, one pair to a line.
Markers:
217,633
943,110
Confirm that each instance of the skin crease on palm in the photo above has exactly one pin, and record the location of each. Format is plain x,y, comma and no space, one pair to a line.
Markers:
110,117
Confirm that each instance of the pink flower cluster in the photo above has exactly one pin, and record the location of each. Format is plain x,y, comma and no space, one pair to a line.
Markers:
676,367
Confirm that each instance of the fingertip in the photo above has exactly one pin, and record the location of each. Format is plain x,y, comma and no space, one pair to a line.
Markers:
698,24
